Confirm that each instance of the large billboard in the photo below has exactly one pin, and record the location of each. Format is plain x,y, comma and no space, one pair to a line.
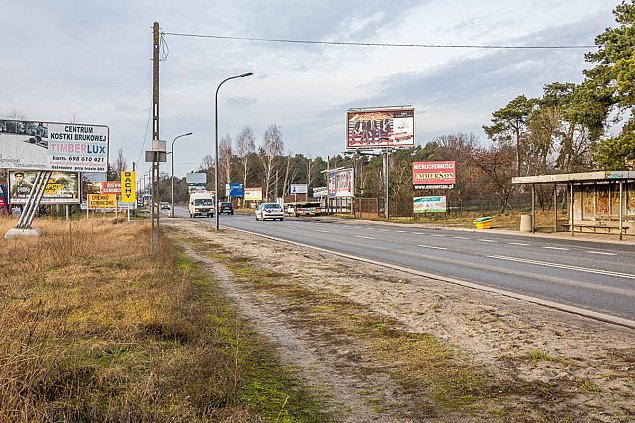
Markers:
433,175
341,183
380,128
62,187
253,194
56,146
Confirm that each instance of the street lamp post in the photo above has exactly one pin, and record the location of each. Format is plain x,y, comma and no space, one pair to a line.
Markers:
216,146
172,204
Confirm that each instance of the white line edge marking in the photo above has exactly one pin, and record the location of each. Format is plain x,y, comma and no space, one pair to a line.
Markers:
556,248
566,266
533,300
519,243
364,237
461,237
487,240
602,253
438,235
431,246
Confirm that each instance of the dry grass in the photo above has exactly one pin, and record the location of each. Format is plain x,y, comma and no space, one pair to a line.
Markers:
96,327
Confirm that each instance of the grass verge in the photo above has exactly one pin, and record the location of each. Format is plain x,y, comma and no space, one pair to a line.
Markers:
98,327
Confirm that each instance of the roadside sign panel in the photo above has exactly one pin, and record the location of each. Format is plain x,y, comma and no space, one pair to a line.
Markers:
236,190
102,201
341,183
299,188
253,194
380,128
196,178
62,188
57,146
433,173
128,193
432,204
111,187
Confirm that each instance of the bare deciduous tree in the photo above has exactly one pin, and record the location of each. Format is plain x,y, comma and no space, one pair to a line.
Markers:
245,145
225,153
272,147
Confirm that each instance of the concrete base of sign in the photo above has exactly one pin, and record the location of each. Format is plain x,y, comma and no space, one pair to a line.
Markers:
16,232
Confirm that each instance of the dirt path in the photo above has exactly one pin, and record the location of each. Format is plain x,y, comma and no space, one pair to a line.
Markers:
565,366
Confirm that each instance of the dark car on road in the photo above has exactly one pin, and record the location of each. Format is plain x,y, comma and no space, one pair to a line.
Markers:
225,207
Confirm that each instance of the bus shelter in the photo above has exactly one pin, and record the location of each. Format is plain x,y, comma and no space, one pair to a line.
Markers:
601,201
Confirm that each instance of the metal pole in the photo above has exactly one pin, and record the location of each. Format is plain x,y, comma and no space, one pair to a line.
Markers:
571,212
217,223
172,178
386,195
620,213
533,208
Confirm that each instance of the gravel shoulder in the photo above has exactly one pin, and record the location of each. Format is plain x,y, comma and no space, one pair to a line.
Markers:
548,365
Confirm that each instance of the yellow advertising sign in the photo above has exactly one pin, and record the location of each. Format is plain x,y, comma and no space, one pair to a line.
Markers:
128,194
102,201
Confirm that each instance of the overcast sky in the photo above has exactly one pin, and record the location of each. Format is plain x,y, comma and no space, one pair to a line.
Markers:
89,61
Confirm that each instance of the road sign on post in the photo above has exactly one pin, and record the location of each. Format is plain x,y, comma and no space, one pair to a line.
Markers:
128,194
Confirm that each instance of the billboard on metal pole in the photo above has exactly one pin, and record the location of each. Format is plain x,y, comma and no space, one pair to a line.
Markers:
433,175
62,187
380,128
196,178
253,194
36,145
341,183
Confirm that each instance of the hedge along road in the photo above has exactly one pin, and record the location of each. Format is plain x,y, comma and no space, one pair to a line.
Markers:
593,279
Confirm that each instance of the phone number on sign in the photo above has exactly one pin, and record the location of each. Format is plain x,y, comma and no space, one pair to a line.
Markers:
86,159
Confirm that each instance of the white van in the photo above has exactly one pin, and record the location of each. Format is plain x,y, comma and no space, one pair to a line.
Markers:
201,204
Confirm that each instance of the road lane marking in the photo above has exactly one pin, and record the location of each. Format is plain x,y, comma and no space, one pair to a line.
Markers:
438,235
566,266
320,230
602,253
364,237
433,247
461,237
385,230
487,240
419,233
401,231
519,243
556,248
603,317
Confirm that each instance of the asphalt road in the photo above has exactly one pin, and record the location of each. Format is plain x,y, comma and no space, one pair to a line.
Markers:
594,276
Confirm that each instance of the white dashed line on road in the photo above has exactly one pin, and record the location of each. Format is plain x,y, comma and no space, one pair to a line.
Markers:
487,240
602,253
433,247
364,237
519,243
557,248
320,230
461,237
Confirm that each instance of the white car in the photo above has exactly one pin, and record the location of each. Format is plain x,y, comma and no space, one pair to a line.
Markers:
271,211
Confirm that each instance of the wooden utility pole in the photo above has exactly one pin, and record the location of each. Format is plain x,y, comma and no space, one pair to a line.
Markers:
155,132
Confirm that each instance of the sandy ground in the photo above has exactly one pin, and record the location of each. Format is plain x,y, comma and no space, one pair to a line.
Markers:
593,362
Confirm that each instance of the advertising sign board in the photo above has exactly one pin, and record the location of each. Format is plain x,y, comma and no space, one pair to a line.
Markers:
320,191
434,204
102,201
110,187
341,183
62,188
299,188
53,146
253,194
429,175
236,190
380,128
196,178
128,193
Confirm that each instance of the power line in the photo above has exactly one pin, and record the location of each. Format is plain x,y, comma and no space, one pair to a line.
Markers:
345,43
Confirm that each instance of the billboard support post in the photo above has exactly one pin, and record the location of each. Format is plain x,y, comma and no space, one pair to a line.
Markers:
172,178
